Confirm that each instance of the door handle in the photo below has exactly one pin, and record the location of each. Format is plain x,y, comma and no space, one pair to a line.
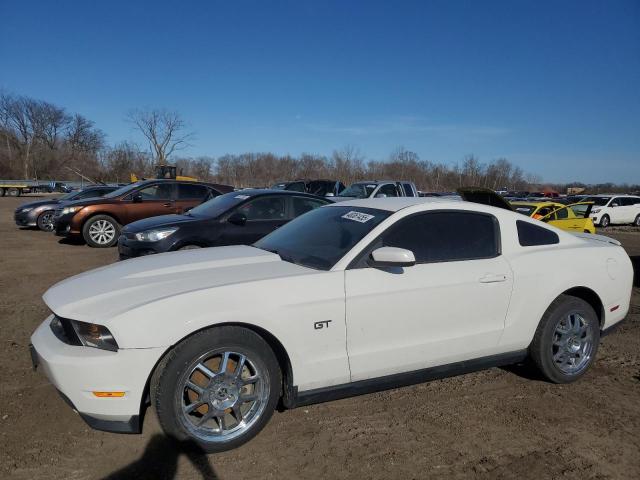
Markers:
169,204
493,278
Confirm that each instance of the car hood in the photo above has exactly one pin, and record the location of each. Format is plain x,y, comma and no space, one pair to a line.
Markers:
101,294
40,203
160,222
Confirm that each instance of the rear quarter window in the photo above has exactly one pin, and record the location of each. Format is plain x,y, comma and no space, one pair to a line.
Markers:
530,235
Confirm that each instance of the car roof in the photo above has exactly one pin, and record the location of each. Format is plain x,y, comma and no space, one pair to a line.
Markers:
254,192
393,204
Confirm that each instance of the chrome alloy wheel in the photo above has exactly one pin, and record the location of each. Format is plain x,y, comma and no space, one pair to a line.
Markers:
221,396
572,344
102,232
47,221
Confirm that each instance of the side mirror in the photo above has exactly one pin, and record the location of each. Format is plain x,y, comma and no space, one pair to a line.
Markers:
392,257
238,219
614,205
381,195
330,194
137,198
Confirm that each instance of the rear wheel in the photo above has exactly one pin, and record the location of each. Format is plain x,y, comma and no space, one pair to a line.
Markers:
636,222
605,221
13,192
45,221
217,389
101,231
566,341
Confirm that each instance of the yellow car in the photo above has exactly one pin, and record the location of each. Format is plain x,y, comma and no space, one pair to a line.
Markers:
574,217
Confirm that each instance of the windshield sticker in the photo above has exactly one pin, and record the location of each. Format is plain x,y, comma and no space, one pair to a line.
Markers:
358,216
242,197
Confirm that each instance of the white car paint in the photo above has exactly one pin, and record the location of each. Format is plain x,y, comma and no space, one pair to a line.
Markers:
616,209
382,322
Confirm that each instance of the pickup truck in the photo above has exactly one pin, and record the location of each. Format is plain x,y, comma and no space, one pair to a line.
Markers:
377,189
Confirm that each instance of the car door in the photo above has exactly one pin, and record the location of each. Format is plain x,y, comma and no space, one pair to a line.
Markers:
450,306
150,201
565,219
263,215
616,210
628,209
190,195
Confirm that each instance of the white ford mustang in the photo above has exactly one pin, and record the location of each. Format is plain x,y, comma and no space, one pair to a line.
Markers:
346,299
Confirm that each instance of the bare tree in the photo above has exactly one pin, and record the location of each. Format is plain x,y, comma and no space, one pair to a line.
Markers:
165,131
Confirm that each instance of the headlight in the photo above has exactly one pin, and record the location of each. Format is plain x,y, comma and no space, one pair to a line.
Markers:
25,210
596,210
94,335
155,235
67,210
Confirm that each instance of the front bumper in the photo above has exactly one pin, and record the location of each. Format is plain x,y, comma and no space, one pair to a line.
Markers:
78,371
62,225
25,219
129,248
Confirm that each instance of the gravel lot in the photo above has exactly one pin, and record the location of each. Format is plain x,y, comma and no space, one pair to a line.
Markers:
500,423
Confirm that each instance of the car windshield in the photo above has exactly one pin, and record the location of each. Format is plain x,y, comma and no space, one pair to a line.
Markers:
318,239
525,209
358,190
600,201
218,205
123,190
70,195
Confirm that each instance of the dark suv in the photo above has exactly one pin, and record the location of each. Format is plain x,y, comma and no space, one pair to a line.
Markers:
99,220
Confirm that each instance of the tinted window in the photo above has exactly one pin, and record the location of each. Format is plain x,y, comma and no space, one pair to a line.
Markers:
598,201
389,190
219,205
531,235
562,214
296,187
304,205
445,236
192,191
323,236
264,208
408,191
616,201
627,201
94,192
160,191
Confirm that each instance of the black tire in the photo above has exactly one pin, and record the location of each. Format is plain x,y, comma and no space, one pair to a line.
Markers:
605,221
45,221
636,222
168,392
1,192
111,231
543,347
13,192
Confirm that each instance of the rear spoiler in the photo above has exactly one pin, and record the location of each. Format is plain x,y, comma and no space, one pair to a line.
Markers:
484,196
598,238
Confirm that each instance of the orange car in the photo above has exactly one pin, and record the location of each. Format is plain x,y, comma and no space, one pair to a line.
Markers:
98,220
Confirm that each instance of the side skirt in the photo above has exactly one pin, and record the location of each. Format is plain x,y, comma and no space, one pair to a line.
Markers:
361,387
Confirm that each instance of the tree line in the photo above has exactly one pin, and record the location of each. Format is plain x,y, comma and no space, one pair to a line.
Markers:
40,140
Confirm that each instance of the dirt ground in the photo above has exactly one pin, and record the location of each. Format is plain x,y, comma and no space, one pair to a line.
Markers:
499,423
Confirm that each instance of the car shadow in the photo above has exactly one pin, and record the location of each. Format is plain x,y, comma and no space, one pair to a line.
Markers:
160,461
635,261
70,241
525,370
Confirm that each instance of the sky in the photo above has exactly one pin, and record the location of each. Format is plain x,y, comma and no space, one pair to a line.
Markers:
553,86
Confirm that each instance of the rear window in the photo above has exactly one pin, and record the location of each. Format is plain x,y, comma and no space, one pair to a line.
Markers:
188,191
530,235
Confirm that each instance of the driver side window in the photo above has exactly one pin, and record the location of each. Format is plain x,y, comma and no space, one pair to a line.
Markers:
389,190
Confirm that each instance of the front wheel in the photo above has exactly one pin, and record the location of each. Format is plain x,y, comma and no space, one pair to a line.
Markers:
605,221
45,221
566,341
217,389
101,231
636,222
